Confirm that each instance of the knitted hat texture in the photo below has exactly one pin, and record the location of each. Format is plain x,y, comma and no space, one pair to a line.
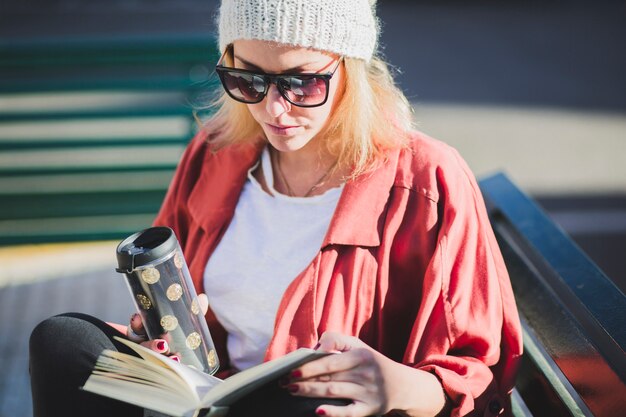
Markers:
345,27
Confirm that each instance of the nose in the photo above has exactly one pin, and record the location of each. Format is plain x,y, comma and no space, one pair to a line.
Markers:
275,103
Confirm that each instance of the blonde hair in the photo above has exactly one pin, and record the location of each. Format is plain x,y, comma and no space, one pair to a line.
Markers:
371,117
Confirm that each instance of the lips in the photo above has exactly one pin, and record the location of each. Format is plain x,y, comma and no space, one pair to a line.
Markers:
282,126
283,130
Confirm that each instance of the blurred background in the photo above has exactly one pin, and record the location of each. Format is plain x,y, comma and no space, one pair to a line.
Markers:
96,102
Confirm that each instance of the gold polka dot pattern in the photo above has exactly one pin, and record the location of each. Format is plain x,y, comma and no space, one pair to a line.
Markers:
150,275
144,301
193,341
174,292
169,323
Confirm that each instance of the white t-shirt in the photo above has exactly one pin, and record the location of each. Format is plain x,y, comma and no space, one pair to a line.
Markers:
270,240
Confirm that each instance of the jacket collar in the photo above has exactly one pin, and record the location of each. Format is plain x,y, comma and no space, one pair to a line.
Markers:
358,218
223,173
360,214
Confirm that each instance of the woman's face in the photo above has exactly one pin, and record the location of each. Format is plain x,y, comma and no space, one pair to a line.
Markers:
288,127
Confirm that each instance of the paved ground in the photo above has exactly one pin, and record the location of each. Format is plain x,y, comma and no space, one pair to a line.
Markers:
535,87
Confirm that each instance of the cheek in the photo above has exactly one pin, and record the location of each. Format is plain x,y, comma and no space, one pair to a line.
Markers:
319,115
256,111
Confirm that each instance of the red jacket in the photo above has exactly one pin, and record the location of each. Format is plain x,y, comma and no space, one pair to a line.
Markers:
409,264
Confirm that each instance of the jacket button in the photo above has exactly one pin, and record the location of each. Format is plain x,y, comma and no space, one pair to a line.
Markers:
495,407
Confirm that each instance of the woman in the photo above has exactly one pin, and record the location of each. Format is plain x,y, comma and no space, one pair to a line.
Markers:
312,214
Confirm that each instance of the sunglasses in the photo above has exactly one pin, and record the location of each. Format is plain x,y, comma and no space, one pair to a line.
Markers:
302,90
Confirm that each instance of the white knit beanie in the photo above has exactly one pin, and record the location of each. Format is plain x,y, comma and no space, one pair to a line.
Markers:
345,27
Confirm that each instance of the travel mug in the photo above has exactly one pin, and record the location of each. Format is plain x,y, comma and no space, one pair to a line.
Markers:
163,292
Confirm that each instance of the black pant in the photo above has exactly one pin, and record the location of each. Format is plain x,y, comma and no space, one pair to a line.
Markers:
64,350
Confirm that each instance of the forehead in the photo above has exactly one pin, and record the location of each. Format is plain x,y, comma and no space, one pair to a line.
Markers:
275,57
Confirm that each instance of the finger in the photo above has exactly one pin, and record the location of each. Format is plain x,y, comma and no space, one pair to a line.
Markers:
356,409
337,342
134,337
350,376
333,389
157,345
332,364
204,303
119,327
355,375
136,324
135,330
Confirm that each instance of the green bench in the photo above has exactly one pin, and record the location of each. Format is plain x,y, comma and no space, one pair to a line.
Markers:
91,131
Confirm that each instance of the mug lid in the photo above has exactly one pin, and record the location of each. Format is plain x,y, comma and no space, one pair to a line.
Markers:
145,247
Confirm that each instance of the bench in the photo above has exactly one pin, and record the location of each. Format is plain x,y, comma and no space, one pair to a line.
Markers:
91,131
573,316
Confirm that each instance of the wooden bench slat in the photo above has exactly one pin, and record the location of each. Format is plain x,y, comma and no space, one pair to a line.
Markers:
84,183
72,228
54,206
175,109
68,160
81,100
45,107
137,127
76,143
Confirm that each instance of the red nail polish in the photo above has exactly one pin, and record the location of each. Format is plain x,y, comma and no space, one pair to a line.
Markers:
317,346
296,374
176,358
320,412
292,388
161,345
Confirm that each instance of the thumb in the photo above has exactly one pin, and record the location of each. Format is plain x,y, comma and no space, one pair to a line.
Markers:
337,342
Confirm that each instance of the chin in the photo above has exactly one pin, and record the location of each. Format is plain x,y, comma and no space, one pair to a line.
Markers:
287,143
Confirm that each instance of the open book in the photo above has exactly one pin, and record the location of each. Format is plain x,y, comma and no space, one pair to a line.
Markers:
158,383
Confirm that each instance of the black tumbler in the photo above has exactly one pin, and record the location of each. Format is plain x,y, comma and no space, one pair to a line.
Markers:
161,287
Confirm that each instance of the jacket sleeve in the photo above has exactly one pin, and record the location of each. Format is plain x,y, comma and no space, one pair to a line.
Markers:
475,308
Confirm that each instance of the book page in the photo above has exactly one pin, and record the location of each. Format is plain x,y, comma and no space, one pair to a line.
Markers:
152,381
146,396
197,381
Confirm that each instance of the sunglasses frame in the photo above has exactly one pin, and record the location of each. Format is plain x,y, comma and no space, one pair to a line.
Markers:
275,79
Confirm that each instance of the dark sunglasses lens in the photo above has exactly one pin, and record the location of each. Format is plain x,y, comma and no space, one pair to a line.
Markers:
245,87
303,90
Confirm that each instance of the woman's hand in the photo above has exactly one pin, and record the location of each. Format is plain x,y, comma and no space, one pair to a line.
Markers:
139,333
375,383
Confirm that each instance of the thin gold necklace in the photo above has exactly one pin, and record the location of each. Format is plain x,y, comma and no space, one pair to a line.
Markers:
318,184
